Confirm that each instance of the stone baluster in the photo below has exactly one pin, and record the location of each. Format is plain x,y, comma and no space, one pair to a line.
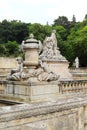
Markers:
86,86
73,87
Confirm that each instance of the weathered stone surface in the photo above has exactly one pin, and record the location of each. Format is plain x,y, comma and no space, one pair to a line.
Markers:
31,57
31,48
6,62
60,68
50,104
62,114
42,91
56,62
32,91
80,73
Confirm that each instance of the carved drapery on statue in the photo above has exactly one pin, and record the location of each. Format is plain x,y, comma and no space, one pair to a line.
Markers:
50,49
43,73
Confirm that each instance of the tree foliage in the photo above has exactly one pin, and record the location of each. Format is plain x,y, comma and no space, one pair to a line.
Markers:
13,31
62,20
71,37
80,46
2,50
12,48
40,31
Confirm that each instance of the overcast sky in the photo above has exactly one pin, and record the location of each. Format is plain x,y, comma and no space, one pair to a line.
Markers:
42,11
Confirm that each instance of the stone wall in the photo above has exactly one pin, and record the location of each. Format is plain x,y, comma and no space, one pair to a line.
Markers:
80,73
6,64
62,114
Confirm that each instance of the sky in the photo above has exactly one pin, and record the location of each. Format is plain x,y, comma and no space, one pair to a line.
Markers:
42,11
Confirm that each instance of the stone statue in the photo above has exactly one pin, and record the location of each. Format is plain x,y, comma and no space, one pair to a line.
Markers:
39,69
53,36
47,48
77,62
40,46
15,74
43,73
50,49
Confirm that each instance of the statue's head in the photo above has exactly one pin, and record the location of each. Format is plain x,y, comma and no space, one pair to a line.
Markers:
19,59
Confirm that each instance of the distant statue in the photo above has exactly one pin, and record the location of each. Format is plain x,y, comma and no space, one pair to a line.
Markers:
77,62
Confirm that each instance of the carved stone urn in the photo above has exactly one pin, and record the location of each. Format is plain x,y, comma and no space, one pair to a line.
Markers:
31,48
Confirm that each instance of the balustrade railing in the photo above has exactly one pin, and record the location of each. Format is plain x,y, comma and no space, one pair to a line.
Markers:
73,86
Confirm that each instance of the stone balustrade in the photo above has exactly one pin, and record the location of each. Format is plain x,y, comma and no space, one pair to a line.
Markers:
77,86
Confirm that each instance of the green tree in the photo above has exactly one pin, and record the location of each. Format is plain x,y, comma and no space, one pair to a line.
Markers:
60,30
13,31
37,29
2,50
5,31
40,31
80,46
85,17
12,48
62,20
19,30
47,30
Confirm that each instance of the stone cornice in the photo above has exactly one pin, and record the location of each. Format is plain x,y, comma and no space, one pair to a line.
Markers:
26,83
43,82
55,60
34,45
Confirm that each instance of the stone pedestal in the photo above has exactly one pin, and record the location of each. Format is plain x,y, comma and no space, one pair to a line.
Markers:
32,92
60,68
